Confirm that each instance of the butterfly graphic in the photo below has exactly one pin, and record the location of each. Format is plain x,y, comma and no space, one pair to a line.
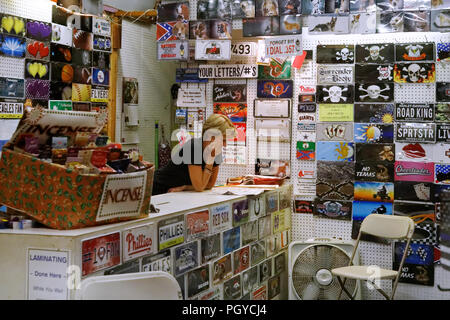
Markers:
12,46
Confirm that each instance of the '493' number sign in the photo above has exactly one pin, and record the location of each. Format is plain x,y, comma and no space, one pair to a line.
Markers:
243,49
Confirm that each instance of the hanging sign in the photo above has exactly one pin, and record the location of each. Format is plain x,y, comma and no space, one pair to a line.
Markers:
228,71
284,46
194,97
243,49
212,49
47,274
332,74
173,50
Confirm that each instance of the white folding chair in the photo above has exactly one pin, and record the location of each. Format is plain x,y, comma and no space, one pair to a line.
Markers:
153,285
383,226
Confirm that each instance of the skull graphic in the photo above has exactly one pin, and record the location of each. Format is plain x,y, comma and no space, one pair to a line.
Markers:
374,52
374,92
414,72
335,94
414,50
345,55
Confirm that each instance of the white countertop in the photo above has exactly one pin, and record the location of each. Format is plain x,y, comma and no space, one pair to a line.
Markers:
168,203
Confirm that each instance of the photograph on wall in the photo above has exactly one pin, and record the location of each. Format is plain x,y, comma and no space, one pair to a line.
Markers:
290,24
243,9
341,210
197,280
213,9
249,280
232,288
231,240
241,259
173,11
361,209
375,53
417,21
266,8
390,21
341,54
363,22
335,180
260,26
221,269
200,30
440,20
185,258
73,20
328,24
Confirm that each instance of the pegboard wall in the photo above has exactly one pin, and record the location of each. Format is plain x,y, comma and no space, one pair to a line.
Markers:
306,226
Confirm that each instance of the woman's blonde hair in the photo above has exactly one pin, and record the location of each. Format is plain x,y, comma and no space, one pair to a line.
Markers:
222,123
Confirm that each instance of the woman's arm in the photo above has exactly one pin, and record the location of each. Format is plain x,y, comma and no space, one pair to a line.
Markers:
212,180
200,178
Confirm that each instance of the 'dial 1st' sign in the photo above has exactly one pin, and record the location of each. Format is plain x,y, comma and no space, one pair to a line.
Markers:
283,46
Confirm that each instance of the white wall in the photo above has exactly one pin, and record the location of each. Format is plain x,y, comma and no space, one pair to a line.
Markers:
130,5
137,59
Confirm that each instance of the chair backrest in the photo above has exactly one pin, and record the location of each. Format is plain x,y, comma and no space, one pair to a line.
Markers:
153,285
388,226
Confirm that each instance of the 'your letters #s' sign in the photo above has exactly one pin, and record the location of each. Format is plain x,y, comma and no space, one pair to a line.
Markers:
123,196
284,46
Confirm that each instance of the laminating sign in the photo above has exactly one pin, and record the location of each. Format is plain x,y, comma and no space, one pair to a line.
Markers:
443,133
171,232
173,50
139,241
415,132
194,97
331,74
220,218
212,49
414,171
11,109
414,112
283,46
100,253
228,71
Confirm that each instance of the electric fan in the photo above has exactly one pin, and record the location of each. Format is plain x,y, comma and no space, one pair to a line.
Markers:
310,265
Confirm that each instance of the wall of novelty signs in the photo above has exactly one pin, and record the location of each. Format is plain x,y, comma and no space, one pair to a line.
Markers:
362,125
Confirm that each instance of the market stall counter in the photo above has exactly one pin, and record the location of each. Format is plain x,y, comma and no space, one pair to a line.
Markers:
192,233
